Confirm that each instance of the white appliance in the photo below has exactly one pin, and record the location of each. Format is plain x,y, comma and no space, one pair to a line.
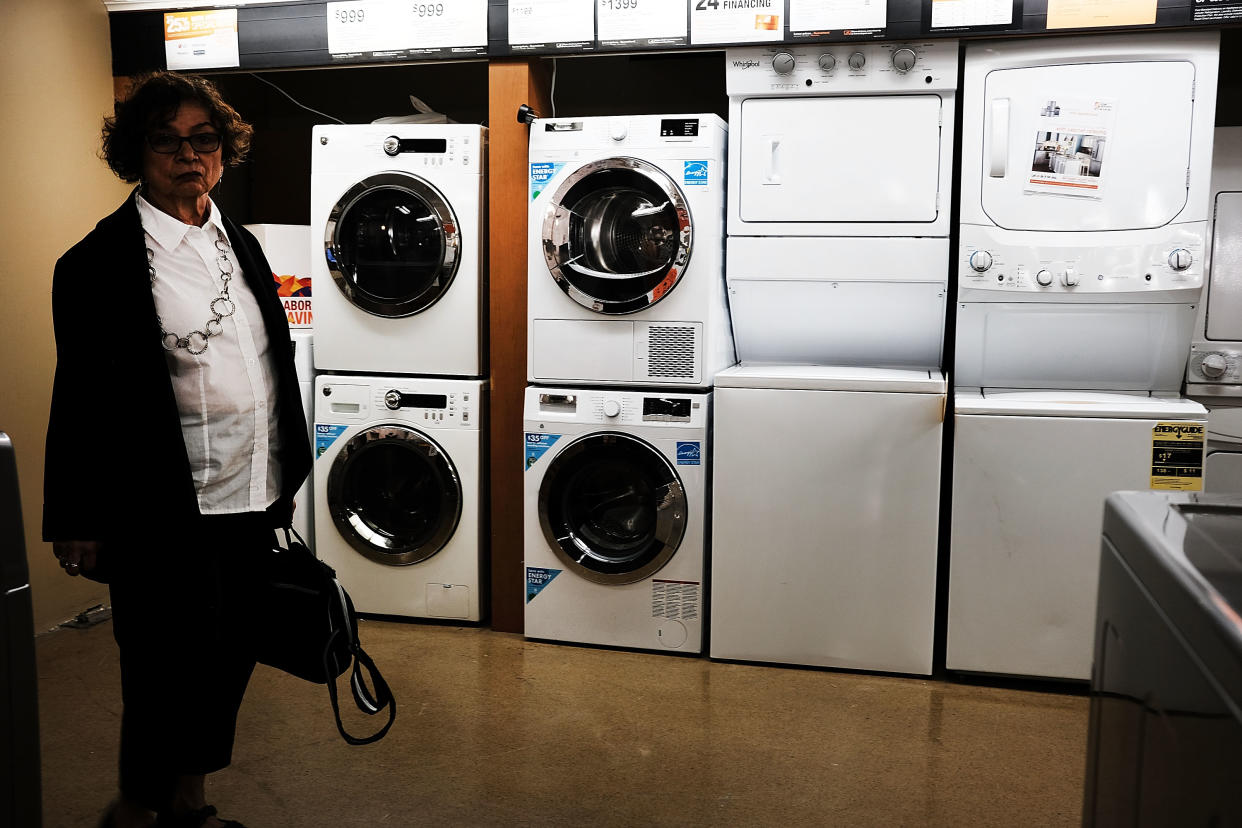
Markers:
626,232
1214,374
1077,296
1084,281
1031,470
616,515
825,516
304,500
840,172
397,229
398,492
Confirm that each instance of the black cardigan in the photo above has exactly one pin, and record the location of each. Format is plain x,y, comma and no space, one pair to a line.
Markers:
116,463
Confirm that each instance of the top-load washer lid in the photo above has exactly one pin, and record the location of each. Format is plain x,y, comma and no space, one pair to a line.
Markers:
1082,146
1061,403
612,508
617,235
831,378
393,244
394,495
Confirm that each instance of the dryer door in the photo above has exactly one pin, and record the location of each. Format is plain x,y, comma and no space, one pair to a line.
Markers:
617,235
394,495
613,508
393,245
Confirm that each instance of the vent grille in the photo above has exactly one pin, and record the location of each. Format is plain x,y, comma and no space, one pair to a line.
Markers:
670,351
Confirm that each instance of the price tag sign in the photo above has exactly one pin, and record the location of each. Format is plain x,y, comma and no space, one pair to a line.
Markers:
201,39
551,24
630,23
736,21
837,15
409,28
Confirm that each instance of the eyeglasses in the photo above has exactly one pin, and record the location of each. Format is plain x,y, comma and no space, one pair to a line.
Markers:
167,143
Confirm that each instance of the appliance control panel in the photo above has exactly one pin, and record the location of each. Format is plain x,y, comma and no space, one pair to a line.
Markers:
625,408
1167,264
1216,363
841,68
429,407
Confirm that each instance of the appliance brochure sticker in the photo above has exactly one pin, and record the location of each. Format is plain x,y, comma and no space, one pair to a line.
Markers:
688,454
325,436
295,293
540,174
1069,153
538,577
201,39
736,21
536,445
1177,456
695,172
551,24
818,16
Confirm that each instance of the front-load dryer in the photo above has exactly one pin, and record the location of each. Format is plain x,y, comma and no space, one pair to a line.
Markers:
626,228
397,228
398,486
616,503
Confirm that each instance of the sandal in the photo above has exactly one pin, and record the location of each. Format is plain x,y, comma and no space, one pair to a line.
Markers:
193,819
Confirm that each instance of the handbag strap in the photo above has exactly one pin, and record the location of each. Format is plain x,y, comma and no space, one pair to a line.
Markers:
376,702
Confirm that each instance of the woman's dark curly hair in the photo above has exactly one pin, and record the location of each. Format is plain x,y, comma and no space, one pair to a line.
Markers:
154,100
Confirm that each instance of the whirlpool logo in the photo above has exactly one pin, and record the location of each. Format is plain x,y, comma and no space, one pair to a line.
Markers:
688,454
745,64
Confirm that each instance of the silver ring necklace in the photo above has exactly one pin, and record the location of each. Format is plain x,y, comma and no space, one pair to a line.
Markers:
221,307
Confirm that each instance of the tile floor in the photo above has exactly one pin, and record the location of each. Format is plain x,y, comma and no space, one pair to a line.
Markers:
496,730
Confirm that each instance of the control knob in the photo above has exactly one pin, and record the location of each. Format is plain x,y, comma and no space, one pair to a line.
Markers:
611,408
1214,365
858,60
1180,259
1044,278
1070,277
827,61
392,145
618,129
393,399
783,63
980,261
903,60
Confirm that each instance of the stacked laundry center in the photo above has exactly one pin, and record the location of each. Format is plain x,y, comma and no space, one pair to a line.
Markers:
396,246
628,326
829,431
1085,188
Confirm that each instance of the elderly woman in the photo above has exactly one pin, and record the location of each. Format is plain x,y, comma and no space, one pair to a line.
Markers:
170,480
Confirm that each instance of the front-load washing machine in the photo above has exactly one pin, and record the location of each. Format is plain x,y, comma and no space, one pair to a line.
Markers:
616,515
398,487
397,229
626,228
1214,373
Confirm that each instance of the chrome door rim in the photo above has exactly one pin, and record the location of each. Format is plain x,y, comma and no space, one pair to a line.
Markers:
556,236
672,513
373,544
445,218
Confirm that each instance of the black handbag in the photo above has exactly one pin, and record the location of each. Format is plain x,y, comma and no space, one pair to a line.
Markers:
306,626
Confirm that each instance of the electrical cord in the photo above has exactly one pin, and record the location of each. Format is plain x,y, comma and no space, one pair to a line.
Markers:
295,100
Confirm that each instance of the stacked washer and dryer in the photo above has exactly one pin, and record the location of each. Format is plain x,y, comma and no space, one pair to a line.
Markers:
829,433
1214,373
397,228
1085,197
628,325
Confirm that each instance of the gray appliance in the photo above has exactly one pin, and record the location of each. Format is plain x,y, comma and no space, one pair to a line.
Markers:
1164,744
20,798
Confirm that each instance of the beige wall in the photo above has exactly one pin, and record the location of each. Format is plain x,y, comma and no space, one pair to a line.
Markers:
55,86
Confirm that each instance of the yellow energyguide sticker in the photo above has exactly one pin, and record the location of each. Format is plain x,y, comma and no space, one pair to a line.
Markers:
1177,456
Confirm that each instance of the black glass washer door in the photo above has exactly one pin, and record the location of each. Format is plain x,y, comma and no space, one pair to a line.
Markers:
392,244
617,235
612,507
394,495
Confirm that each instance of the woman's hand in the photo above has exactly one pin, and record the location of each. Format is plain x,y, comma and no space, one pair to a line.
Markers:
76,557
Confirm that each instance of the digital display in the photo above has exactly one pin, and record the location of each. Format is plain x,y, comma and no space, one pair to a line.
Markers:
666,408
679,127
427,145
424,401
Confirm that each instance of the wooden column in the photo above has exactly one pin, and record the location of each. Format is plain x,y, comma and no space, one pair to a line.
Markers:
510,84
